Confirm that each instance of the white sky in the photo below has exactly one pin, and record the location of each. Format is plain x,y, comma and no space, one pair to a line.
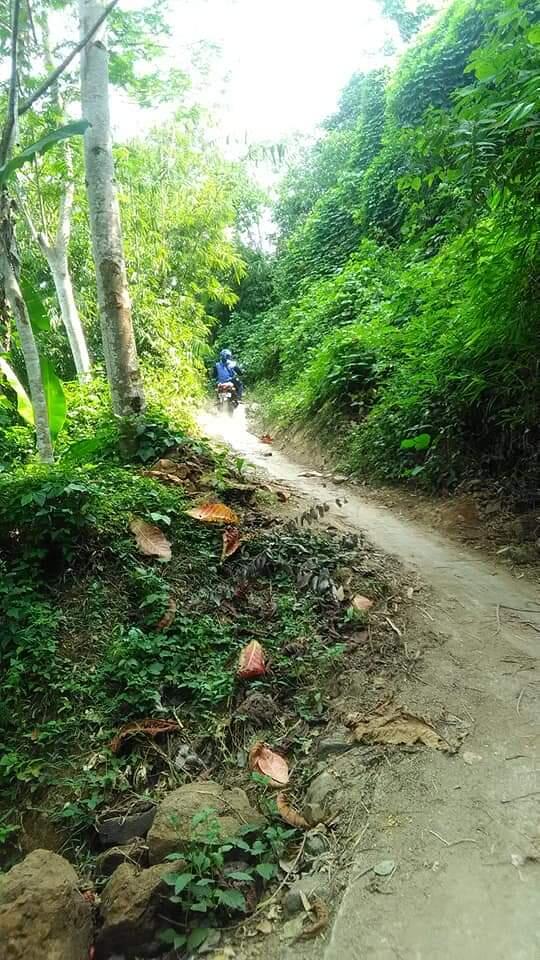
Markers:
282,63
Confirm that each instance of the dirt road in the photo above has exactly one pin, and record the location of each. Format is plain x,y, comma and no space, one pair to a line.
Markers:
463,831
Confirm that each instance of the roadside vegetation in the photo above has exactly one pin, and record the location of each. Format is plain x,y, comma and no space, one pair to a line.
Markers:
401,309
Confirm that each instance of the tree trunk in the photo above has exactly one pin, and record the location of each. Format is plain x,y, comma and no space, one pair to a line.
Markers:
57,257
8,256
113,297
58,265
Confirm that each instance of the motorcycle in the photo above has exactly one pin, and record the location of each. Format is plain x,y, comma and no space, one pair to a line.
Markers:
227,398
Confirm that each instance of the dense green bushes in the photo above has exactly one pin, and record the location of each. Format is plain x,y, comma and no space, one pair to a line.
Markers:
412,308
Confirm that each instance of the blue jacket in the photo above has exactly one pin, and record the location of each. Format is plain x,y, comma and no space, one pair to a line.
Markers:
223,372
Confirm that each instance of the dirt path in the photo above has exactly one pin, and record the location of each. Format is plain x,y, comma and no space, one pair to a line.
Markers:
463,830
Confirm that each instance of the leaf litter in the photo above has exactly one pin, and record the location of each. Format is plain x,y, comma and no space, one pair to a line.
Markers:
389,723
151,541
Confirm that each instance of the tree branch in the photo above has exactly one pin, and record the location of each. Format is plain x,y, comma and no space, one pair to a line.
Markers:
53,77
27,215
11,117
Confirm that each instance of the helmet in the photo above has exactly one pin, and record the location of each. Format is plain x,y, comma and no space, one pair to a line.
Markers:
225,355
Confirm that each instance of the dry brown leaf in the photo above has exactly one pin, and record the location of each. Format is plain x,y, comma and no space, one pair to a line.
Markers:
213,513
270,764
394,725
150,540
361,604
322,918
151,728
231,542
283,495
252,661
266,438
289,814
168,616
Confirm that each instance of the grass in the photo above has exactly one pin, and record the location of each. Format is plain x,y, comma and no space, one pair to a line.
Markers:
83,653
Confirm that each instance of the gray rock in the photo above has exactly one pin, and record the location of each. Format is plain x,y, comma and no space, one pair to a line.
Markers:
120,826
316,844
314,813
314,885
384,868
129,906
43,915
321,788
135,852
173,828
338,742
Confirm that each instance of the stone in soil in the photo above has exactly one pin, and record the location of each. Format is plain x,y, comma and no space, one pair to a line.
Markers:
43,915
135,852
314,885
338,742
173,828
321,788
129,909
258,707
116,827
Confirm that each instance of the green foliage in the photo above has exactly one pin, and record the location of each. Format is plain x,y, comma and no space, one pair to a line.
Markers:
428,325
210,882
46,143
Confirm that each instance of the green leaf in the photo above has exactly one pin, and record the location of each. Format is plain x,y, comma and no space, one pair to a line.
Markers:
200,907
421,442
77,128
533,35
239,875
265,870
232,898
39,318
24,404
55,397
197,937
81,451
181,882
173,938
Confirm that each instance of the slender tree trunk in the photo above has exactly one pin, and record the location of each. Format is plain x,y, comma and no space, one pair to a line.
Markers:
8,275
9,261
113,297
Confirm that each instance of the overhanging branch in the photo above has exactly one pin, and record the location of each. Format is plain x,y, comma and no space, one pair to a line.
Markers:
59,70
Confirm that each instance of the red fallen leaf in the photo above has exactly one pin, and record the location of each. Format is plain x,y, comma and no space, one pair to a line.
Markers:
89,896
270,764
91,953
231,542
361,604
213,513
168,616
151,728
150,540
266,438
252,662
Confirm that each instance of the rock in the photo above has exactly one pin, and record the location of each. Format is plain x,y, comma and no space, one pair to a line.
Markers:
314,885
135,852
384,868
172,827
129,906
338,742
120,826
258,707
316,844
314,813
43,915
321,788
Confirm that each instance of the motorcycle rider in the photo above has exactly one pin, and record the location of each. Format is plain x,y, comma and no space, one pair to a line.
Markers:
227,370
